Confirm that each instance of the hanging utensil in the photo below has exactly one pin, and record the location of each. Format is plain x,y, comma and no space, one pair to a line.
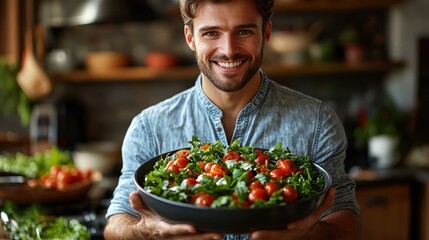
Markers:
31,78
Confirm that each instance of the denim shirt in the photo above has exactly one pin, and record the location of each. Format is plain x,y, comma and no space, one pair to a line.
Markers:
307,126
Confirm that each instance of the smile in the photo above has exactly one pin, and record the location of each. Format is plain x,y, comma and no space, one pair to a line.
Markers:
230,64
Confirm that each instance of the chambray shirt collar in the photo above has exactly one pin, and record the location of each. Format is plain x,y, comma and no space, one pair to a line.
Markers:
251,107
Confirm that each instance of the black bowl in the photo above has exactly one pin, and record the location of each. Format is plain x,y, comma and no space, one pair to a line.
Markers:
225,220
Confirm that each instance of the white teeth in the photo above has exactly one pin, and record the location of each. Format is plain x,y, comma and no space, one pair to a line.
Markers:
229,65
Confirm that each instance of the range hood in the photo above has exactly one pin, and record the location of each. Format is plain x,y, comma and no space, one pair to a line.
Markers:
60,13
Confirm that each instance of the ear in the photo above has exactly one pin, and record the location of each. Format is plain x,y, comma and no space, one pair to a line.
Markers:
189,36
267,32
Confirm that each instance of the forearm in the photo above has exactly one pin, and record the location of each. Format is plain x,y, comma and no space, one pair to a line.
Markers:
339,225
121,226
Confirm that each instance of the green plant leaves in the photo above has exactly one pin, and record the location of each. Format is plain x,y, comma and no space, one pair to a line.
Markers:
12,99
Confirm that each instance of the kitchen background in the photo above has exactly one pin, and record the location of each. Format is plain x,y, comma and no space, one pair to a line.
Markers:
389,48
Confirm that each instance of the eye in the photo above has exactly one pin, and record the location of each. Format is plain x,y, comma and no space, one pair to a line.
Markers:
210,34
244,32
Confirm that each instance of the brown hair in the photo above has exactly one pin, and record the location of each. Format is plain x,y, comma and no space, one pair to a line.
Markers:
188,9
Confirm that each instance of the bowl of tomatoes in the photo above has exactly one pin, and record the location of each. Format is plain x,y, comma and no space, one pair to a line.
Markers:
63,183
231,189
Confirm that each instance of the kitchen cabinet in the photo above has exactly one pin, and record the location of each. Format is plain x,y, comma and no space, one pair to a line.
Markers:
142,73
423,210
385,211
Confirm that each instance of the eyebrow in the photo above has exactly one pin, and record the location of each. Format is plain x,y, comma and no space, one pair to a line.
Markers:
242,26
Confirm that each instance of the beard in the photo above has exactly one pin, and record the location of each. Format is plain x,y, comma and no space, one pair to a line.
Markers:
231,84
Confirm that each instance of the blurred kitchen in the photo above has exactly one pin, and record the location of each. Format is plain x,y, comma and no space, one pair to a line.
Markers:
81,69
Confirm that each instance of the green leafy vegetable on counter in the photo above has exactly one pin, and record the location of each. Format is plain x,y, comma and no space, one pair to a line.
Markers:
35,165
32,223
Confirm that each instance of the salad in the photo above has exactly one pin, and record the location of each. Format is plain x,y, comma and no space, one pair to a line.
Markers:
234,176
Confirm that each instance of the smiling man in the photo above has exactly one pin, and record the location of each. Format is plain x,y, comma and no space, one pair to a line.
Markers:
234,99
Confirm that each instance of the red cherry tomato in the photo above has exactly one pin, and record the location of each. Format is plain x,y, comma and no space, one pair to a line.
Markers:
33,182
182,153
54,170
217,170
256,184
189,182
287,166
203,199
260,158
171,167
181,162
271,187
276,174
202,165
76,174
65,177
208,167
48,181
250,177
231,155
257,194
289,194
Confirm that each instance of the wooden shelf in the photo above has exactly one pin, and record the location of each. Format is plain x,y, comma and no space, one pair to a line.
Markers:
316,5
129,73
190,73
332,5
333,68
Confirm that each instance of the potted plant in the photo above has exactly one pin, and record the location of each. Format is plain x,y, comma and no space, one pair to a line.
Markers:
12,99
380,133
352,46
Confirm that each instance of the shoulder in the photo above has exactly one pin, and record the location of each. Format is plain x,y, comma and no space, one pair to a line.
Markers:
285,92
169,105
291,101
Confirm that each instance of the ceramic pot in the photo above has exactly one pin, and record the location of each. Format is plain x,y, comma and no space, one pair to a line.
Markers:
382,152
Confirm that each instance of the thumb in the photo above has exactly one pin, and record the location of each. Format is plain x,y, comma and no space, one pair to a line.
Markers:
137,202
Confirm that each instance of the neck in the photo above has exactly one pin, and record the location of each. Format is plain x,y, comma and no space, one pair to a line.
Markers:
231,103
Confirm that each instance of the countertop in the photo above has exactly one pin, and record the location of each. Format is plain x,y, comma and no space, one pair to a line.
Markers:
397,175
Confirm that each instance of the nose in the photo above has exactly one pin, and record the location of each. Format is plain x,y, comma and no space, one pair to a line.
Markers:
228,45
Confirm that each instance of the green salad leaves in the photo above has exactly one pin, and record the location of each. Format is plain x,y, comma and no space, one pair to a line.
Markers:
35,165
234,176
32,223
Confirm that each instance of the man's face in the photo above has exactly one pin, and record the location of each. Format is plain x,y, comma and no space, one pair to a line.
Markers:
228,41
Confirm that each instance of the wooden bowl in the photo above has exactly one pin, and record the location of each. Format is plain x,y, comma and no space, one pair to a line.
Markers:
101,61
25,194
161,60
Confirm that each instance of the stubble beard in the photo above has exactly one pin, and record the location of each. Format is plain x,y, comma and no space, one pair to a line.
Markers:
231,85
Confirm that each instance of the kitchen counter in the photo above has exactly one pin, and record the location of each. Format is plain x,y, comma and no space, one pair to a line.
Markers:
367,177
397,197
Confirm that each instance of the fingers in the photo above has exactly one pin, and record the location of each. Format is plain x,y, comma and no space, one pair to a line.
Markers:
298,228
203,236
314,217
152,225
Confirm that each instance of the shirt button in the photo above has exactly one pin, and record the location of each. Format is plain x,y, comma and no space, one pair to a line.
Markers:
219,129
